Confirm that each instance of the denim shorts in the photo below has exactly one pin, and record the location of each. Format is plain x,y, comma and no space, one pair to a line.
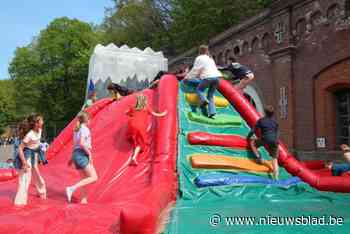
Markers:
80,159
272,148
339,169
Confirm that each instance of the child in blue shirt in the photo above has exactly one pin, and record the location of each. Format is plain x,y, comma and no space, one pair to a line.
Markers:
269,137
339,168
242,75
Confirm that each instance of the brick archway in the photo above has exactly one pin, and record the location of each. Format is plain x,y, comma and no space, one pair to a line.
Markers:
326,84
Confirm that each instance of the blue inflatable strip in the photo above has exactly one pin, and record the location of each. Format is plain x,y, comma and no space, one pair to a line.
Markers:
220,179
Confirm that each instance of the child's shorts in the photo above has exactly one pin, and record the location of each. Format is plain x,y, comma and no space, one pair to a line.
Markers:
272,148
339,169
80,159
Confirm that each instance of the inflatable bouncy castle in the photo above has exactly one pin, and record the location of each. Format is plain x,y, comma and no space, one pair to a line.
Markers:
199,176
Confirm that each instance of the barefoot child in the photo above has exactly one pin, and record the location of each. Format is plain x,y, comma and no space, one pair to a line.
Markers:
269,138
339,168
28,157
82,158
138,124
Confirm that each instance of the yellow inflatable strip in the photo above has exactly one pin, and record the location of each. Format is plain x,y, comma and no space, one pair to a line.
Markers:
205,161
193,99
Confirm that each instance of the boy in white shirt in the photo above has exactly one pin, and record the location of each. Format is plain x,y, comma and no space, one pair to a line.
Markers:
205,69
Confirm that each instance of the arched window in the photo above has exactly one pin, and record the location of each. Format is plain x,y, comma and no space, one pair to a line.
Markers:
343,116
255,44
227,55
316,18
245,47
236,51
250,99
220,59
300,27
333,12
347,8
266,42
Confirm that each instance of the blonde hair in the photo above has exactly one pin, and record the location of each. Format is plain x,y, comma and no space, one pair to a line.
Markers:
203,49
82,117
141,102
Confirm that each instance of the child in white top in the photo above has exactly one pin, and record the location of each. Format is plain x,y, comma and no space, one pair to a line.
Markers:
82,158
28,157
205,69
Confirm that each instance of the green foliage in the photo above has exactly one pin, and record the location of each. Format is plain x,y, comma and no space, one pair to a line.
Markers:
7,103
137,23
50,73
174,25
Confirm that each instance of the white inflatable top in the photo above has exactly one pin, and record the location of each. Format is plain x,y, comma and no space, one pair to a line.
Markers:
130,67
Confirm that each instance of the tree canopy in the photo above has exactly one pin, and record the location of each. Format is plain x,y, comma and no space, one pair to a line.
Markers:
174,25
7,104
49,75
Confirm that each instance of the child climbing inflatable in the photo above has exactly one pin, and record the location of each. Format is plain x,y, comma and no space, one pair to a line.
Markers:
269,137
242,75
205,70
340,168
138,125
117,91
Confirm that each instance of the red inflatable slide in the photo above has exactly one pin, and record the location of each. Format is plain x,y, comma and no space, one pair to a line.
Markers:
250,115
125,199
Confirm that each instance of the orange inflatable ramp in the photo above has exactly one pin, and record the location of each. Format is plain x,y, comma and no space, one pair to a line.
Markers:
205,161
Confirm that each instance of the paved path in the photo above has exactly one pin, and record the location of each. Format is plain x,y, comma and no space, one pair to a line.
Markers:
5,152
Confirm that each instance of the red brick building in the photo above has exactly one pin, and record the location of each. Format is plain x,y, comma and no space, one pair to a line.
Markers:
299,51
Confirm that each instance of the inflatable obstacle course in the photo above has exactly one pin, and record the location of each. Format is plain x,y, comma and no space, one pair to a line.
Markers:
134,199
125,199
204,192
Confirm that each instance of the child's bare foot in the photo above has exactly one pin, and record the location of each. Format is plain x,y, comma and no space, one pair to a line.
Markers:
69,193
84,201
260,161
43,195
133,162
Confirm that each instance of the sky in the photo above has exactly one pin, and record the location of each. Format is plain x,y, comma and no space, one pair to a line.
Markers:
21,20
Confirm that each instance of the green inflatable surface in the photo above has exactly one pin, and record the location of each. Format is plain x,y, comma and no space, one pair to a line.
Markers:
247,208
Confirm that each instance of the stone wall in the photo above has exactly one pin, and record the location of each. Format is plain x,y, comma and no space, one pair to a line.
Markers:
289,46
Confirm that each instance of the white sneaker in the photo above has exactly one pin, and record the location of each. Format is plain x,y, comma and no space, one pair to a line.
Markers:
69,193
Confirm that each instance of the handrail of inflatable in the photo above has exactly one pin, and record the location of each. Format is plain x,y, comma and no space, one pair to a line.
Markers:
293,166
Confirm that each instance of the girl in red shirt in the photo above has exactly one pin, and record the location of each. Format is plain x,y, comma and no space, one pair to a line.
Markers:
138,125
